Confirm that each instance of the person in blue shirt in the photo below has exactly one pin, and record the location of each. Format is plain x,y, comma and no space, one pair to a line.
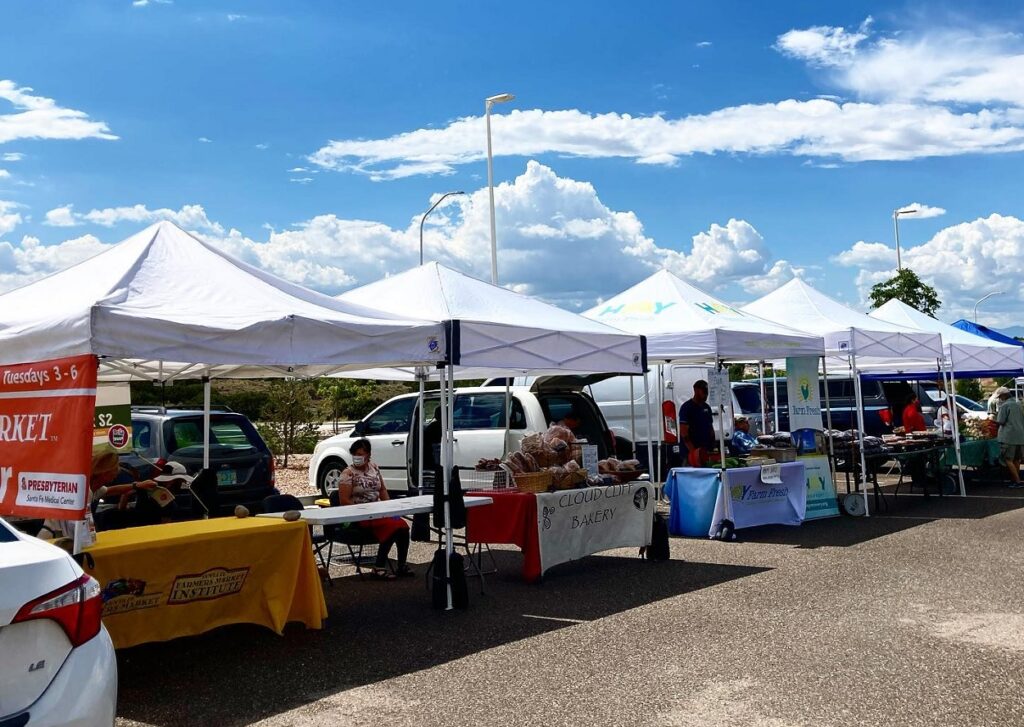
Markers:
742,441
696,427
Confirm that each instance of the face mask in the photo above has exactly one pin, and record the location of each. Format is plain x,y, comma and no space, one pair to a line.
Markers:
358,460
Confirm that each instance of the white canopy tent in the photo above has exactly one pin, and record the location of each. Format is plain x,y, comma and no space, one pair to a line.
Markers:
847,332
498,330
851,336
966,354
686,325
163,305
493,331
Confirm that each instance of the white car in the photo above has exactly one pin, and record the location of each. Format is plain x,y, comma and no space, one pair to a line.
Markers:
57,664
479,429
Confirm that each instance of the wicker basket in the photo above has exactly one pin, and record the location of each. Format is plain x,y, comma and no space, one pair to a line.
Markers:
533,481
572,480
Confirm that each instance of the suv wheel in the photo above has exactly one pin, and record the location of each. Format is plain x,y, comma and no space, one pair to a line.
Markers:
329,474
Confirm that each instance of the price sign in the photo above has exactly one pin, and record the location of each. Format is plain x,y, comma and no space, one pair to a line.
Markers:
771,474
590,458
719,389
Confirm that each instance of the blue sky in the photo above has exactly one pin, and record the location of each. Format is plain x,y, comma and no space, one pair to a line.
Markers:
635,129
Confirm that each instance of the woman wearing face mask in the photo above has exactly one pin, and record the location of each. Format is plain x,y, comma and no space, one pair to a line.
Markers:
362,482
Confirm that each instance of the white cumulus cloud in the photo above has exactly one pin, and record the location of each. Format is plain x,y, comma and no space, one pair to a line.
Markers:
823,45
556,239
813,128
61,217
190,216
912,94
9,217
38,117
963,262
918,211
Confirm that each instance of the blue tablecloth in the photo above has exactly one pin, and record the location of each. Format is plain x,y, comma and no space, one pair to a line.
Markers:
696,493
692,492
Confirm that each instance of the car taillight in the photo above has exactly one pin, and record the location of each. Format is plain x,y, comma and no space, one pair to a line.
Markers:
273,471
670,429
77,608
886,416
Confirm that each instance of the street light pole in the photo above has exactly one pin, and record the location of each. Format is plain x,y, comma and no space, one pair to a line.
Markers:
424,217
488,103
982,300
896,223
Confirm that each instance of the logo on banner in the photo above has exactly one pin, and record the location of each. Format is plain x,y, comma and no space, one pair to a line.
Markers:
208,585
640,499
805,388
118,436
433,345
640,307
127,594
717,308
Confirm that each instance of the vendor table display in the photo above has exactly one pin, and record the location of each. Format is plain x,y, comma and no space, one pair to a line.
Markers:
920,461
164,581
557,527
698,503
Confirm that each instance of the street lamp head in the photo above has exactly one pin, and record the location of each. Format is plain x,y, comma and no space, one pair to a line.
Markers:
906,211
500,98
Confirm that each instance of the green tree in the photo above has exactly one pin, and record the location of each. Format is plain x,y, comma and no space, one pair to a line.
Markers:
736,371
908,287
291,417
971,388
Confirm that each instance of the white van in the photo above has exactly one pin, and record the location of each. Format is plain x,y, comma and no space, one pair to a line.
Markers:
393,429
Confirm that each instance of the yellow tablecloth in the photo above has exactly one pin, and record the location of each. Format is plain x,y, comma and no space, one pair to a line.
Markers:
164,581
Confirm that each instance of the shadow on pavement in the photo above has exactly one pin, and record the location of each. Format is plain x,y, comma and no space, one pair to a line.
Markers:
899,512
240,674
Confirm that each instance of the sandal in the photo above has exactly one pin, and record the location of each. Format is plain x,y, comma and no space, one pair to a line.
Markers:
382,574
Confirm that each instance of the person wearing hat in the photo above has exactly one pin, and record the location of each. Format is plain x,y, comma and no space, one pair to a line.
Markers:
995,400
1010,420
742,441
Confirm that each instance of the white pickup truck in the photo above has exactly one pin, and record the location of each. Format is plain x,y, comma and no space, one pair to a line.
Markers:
393,430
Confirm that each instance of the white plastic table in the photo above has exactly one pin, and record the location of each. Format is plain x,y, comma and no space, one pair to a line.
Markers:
399,507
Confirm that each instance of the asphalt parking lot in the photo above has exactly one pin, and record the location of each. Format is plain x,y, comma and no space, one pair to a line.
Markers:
912,617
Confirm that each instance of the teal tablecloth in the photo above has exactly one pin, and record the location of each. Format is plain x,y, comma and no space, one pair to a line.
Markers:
973,453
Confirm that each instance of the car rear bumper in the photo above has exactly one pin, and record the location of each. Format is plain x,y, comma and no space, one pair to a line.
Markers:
84,692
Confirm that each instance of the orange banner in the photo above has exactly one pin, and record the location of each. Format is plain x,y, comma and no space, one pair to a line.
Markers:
46,430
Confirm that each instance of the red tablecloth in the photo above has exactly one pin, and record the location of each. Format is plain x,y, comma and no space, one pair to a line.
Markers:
512,519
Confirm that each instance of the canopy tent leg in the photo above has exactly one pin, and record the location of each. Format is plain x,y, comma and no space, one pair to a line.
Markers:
632,415
445,475
661,399
206,420
655,475
775,393
828,417
721,452
764,411
860,432
951,406
508,417
421,376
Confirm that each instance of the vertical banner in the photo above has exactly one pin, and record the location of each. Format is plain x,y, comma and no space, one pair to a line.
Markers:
804,393
46,435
